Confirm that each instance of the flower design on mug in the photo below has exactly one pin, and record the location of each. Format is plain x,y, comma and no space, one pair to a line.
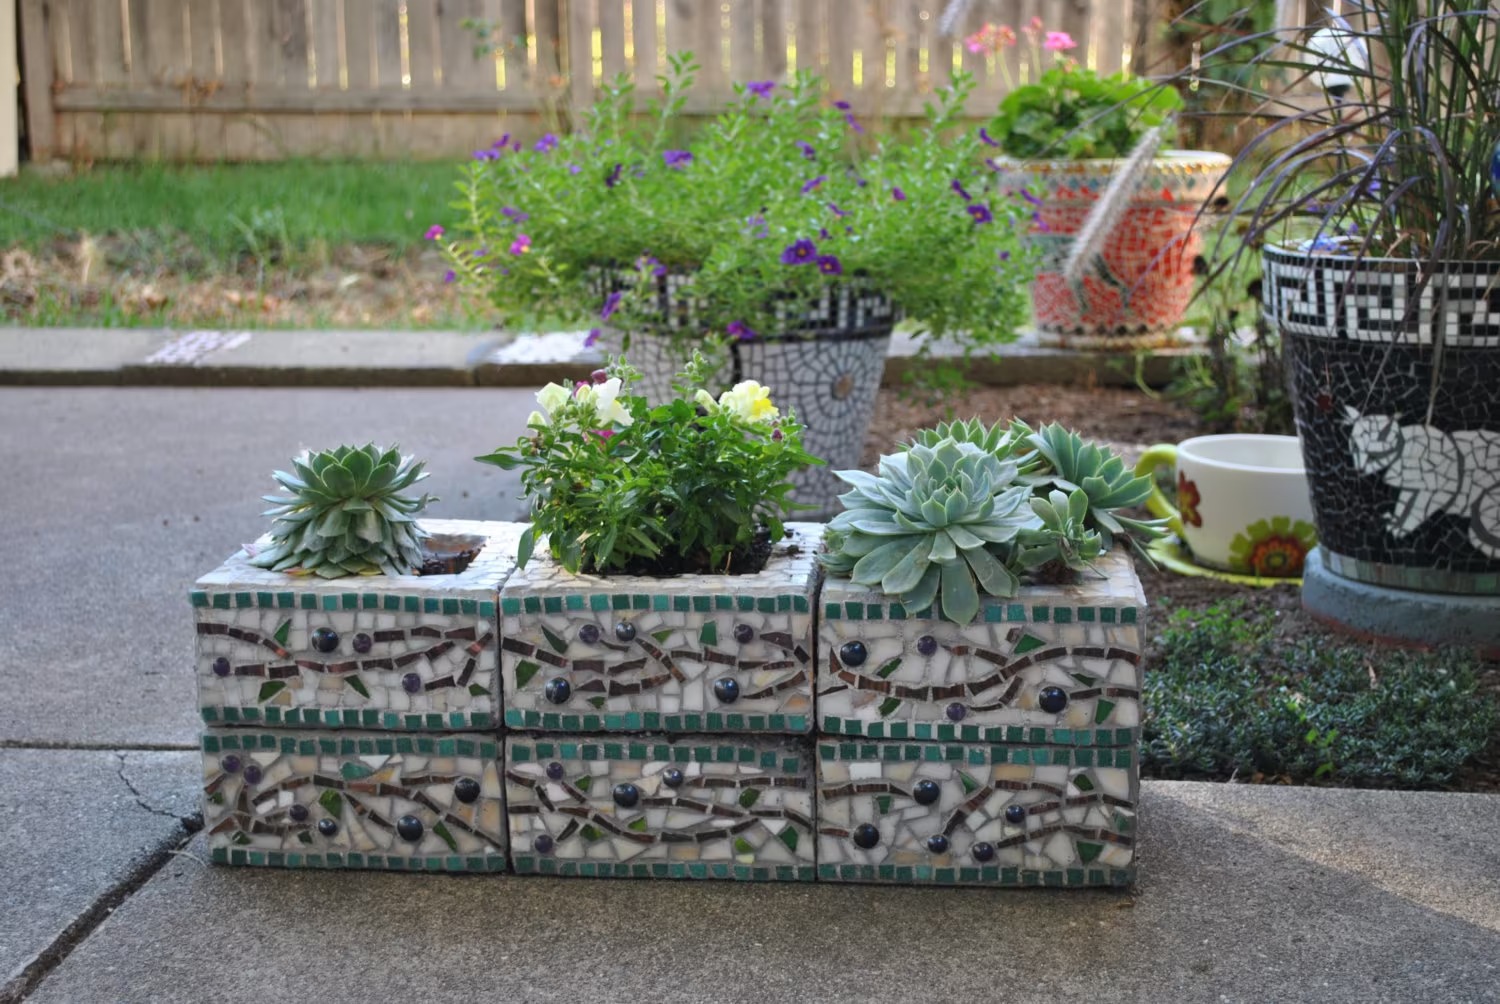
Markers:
1273,548
1188,500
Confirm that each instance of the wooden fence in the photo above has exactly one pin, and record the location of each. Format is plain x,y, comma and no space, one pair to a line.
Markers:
266,79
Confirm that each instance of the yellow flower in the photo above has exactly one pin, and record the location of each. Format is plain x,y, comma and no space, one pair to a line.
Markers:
750,401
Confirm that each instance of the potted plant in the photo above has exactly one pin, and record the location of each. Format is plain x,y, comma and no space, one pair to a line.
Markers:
1065,144
975,601
777,225
1373,208
659,590
353,616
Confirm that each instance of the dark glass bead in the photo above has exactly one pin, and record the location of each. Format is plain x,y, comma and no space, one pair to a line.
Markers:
328,827
555,771
983,851
557,690
853,653
744,634
1052,699
672,777
926,792
325,639
927,645
625,631
589,634
362,643
866,836
411,683
937,844
466,790
221,666
298,813
251,773
727,690
626,795
409,828
1015,815
231,764
956,712
542,844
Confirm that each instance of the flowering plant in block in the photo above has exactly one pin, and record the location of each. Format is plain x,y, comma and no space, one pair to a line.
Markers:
1068,112
762,209
698,484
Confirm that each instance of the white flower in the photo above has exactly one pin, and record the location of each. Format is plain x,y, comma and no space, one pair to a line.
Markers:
705,400
750,401
605,399
536,418
552,397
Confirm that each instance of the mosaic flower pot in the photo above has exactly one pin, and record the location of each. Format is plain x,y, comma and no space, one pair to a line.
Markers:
389,652
825,363
1056,664
965,814
680,654
299,799
649,807
1135,293
1401,442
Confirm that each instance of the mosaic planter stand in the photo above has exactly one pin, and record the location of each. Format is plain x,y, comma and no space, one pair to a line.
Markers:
389,652
300,799
650,807
723,654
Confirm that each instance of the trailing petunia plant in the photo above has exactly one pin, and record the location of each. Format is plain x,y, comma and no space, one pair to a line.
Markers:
696,485
967,510
760,210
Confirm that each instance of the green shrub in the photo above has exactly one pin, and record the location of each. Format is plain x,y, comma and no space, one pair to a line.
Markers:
1225,700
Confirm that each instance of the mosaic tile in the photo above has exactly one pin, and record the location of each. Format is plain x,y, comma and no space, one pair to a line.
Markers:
685,654
390,652
353,800
661,807
1057,664
965,814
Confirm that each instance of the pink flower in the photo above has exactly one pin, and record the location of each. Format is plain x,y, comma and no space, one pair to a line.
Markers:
520,245
433,232
1059,41
979,41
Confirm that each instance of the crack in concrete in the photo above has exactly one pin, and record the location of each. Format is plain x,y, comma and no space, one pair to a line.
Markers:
192,822
65,744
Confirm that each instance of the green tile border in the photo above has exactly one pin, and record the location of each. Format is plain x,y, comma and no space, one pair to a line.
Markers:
249,741
349,718
447,605
703,749
992,875
532,864
990,613
977,754
521,601
738,723
830,726
254,857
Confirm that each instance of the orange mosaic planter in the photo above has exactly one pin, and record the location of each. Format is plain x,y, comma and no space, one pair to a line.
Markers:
1136,292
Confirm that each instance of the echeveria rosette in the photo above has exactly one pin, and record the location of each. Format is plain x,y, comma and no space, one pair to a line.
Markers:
927,527
1108,485
1064,538
1008,442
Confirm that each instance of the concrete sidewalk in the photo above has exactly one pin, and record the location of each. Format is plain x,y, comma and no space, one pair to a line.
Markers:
270,358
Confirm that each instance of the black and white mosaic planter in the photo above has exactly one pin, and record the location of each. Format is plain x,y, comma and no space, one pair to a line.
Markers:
647,807
1401,441
730,654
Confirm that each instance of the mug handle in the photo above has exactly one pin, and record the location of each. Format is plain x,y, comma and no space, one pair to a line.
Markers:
1160,455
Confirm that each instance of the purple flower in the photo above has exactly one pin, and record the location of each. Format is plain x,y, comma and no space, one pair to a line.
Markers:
799,252
958,187
433,232
898,195
1026,194
755,226
776,435
450,276
739,330
677,159
611,304
833,207
808,186
843,106
491,154
501,143
574,169
515,145
514,215
830,265
649,263
986,138
613,177
1041,224
980,213
761,88
824,235
1005,256
546,144
593,337
807,149
520,245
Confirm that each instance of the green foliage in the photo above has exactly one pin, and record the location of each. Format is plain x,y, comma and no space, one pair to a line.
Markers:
775,170
1225,700
1063,538
346,515
1004,442
1072,113
1107,483
618,486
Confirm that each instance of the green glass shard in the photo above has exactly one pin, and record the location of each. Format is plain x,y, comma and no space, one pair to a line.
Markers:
883,803
357,685
477,690
708,634
584,782
1087,852
558,645
241,838
305,837
1087,679
441,830
270,689
1028,643
332,803
742,846
638,825
1102,711
283,632
524,672
889,705
889,667
789,837
598,702
749,797
968,782
217,798
590,832
662,635
1082,783
355,771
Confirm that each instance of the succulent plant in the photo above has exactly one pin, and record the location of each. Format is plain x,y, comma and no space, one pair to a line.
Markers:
931,522
1005,442
346,515
1063,540
1071,463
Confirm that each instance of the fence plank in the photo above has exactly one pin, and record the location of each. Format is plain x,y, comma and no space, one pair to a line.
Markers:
201,27
510,34
772,45
388,66
547,26
611,22
79,27
164,47
36,79
648,62
462,70
322,28
237,42
580,65
424,44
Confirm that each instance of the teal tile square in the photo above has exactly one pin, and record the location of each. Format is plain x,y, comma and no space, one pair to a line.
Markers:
450,605
896,612
766,604
198,597
640,601
1015,612
994,613
746,603
392,603
800,604
1127,616
620,601
832,723
370,601
1040,613
573,601
599,602
1086,615
552,604
468,606
900,730
702,604
735,722
265,600
692,722
411,604
487,608
242,600
533,604
661,602
1107,615
1062,615
922,730
876,730
872,611
682,604
852,727
431,605
221,601
329,602
833,611
854,611
724,602
309,601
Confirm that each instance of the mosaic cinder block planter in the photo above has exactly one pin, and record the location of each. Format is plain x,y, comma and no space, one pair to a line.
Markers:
1057,664
728,654
389,652
968,814
299,799
650,807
